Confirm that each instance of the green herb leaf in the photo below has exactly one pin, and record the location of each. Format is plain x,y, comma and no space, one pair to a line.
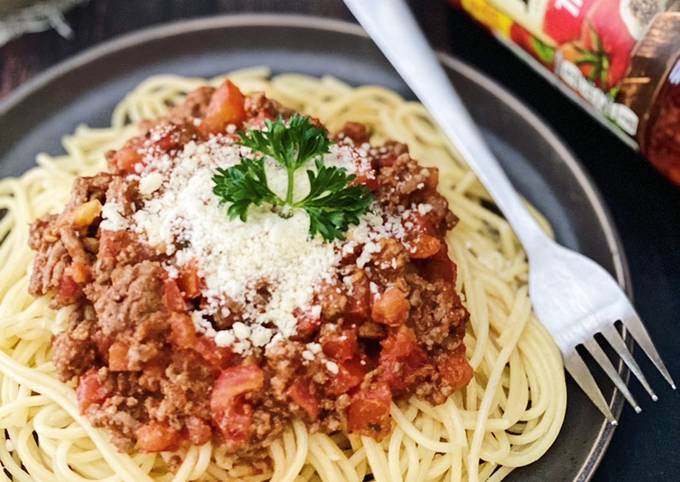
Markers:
242,185
291,144
332,204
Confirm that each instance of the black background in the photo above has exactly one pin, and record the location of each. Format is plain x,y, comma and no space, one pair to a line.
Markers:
645,207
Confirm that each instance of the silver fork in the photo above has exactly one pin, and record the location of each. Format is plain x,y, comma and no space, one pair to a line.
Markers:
574,297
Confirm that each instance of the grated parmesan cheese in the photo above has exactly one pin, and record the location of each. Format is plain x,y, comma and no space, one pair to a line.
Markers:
332,367
112,217
150,183
233,256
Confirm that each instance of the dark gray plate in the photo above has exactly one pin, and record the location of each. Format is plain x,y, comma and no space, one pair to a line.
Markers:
86,88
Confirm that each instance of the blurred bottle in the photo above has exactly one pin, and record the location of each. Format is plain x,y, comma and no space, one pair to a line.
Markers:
619,59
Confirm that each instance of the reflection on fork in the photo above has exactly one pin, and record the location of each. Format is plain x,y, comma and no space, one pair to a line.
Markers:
576,299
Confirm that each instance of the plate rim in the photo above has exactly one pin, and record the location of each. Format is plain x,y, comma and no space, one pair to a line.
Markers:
312,22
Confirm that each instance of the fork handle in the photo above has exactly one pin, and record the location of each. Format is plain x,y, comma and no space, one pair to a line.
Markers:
393,28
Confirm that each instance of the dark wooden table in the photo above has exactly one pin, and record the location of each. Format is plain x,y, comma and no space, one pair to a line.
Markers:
646,207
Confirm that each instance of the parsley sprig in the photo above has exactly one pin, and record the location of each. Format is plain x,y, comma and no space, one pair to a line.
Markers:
333,203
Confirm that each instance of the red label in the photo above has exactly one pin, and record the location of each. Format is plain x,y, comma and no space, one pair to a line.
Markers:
563,19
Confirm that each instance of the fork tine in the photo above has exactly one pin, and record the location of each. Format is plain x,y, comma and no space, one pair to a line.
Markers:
634,325
601,358
617,343
580,373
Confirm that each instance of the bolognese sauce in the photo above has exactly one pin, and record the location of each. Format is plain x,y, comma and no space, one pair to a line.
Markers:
188,327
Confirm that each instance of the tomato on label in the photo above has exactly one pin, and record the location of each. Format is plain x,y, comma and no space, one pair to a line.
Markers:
563,19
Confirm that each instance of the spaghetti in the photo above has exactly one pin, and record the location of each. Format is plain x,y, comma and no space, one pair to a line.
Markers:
508,415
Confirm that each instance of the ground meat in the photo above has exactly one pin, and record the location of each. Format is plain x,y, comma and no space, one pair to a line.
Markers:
333,302
49,266
283,360
260,108
193,106
400,181
89,188
42,232
359,133
186,389
135,292
72,357
436,311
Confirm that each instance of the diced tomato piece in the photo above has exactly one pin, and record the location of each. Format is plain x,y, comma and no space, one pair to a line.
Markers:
235,381
80,272
126,158
189,282
183,333
230,413
157,436
359,298
402,361
424,246
68,288
227,106
350,374
307,323
172,297
90,390
217,356
302,392
118,356
235,421
391,308
439,266
369,412
198,431
455,369
340,345
103,342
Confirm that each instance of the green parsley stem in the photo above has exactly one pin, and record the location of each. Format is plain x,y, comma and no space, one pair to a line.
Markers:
291,183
